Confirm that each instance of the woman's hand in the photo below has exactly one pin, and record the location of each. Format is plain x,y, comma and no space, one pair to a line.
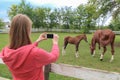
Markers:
41,37
55,39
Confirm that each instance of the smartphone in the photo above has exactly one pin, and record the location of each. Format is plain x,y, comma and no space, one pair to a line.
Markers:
49,36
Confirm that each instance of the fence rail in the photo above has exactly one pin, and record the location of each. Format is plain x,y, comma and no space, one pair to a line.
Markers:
83,72
56,30
116,32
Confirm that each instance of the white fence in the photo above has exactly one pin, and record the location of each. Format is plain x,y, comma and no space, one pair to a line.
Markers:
84,73
4,30
56,30
44,30
116,32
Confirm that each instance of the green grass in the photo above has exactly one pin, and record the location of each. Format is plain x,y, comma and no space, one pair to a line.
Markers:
4,71
60,77
85,59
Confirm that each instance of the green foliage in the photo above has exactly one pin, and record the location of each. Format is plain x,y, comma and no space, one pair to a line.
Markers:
105,8
89,16
23,8
115,23
2,24
39,17
13,11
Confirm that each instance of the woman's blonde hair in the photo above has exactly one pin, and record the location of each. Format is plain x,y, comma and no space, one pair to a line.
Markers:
20,31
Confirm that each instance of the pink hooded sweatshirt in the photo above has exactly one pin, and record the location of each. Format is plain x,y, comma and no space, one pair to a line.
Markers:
26,62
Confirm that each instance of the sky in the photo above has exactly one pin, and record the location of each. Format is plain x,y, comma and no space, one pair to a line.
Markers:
5,5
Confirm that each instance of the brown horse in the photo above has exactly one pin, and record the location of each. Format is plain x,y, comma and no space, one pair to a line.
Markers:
103,38
74,40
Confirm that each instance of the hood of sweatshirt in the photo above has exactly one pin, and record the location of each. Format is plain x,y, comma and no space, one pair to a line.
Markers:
14,59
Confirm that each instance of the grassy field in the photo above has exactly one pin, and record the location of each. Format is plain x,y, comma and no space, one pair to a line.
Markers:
85,59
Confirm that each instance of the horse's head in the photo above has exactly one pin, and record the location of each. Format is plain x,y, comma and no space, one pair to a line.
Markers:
92,49
92,46
85,37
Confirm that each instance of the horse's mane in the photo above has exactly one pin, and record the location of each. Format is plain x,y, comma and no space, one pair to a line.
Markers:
67,37
80,35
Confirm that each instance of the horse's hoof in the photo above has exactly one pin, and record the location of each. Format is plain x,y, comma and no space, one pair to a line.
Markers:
101,59
63,54
111,61
93,55
76,56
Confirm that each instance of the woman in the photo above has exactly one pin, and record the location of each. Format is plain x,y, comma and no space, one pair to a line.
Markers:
23,58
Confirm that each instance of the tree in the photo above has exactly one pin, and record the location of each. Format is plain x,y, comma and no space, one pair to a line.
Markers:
115,23
90,16
12,11
106,7
47,17
83,17
53,19
2,24
23,7
39,18
67,17
80,15
86,18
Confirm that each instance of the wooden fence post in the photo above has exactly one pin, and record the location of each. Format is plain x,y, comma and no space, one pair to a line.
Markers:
47,70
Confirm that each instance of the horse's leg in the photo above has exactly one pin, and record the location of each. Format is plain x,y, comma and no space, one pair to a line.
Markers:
94,51
76,46
112,51
104,50
64,47
99,47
